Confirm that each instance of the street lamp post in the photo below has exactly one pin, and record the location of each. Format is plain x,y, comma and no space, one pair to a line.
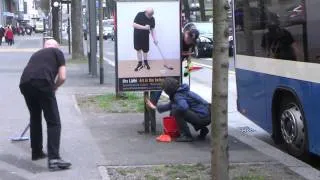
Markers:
55,19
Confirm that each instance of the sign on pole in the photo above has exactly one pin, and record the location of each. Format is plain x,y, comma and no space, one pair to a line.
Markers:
148,44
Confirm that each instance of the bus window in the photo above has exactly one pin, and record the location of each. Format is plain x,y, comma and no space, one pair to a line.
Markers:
273,29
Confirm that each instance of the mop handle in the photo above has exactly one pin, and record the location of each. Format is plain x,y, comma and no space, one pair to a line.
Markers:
25,130
160,51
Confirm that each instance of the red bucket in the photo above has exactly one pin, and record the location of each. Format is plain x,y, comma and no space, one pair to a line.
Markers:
170,127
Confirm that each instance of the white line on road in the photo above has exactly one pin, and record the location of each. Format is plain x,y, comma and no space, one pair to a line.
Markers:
109,61
110,53
210,67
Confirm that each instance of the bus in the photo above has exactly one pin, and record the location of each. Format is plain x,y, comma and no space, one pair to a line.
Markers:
277,60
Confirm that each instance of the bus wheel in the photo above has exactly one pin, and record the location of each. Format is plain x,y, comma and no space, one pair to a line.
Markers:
292,127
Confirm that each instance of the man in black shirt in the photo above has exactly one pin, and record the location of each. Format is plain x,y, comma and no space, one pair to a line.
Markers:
189,41
143,24
43,75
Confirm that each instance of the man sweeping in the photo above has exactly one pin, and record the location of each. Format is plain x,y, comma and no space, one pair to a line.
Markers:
144,24
41,78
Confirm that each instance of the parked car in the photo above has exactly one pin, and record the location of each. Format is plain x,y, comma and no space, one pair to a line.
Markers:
205,43
108,29
39,27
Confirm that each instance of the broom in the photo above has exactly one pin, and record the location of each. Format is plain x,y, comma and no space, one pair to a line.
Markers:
21,137
164,60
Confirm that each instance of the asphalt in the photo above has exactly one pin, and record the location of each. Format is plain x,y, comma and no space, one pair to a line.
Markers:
91,141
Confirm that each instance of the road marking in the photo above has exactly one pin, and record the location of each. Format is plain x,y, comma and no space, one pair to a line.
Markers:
19,50
206,59
109,61
210,67
110,53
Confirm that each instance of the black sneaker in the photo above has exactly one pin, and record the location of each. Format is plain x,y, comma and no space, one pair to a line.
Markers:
203,133
37,156
184,138
139,66
146,64
58,164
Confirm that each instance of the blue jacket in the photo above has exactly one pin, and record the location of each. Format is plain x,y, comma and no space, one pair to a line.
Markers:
184,100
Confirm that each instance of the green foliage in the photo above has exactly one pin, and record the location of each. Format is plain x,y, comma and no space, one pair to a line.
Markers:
129,102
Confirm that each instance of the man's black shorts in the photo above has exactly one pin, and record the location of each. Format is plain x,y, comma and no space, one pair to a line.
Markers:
141,42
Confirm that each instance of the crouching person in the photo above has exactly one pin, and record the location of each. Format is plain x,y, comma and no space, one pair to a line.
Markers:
187,107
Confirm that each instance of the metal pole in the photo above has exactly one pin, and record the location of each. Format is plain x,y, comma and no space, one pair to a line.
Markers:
68,29
146,114
60,29
93,37
101,42
88,35
55,20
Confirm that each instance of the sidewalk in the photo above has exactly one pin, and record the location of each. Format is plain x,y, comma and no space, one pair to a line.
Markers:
95,142
77,143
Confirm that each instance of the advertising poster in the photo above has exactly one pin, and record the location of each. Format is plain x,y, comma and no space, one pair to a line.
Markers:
148,44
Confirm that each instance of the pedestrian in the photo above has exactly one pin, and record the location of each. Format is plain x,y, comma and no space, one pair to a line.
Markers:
2,31
9,35
144,24
187,107
41,78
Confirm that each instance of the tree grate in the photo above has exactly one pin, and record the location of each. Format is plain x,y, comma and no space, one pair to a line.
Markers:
246,129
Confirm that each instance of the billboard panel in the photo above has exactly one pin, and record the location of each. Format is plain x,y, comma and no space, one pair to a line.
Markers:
148,44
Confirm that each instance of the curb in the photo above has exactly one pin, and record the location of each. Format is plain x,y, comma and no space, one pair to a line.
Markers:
103,173
301,168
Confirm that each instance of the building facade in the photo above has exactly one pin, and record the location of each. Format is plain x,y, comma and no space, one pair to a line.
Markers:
8,9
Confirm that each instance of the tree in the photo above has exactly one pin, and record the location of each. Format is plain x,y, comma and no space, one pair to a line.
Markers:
219,125
45,6
55,21
247,28
202,10
76,25
186,9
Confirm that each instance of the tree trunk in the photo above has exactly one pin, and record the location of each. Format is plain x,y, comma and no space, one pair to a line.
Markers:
219,126
202,10
45,6
247,28
77,34
55,23
186,9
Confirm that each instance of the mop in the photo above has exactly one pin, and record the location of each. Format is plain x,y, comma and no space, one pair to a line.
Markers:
164,60
21,137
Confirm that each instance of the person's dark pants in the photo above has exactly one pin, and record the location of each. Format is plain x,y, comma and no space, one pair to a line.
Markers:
1,37
182,117
37,101
10,42
155,96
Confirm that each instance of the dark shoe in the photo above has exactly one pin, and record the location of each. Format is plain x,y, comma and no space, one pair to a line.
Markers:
184,138
203,133
139,66
37,156
146,64
58,164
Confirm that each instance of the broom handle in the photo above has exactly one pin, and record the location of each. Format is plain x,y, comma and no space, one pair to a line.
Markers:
25,130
